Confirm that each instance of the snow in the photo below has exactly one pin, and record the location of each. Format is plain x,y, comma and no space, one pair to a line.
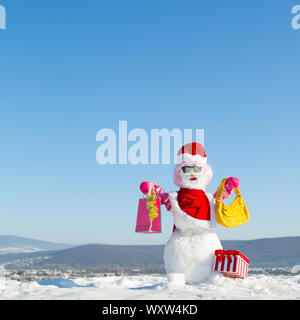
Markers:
62,283
149,287
24,249
296,268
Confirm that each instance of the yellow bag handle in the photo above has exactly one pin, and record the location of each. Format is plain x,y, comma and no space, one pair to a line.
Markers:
234,214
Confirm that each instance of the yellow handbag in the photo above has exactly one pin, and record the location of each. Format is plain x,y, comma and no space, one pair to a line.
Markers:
234,214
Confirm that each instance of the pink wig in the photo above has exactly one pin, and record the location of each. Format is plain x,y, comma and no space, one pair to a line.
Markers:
207,172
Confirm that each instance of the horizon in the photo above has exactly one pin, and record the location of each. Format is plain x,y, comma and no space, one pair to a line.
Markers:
143,244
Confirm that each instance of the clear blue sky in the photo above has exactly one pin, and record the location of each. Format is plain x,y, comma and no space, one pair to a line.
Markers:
70,68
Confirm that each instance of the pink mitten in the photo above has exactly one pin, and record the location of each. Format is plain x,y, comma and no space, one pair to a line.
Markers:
230,184
165,200
146,186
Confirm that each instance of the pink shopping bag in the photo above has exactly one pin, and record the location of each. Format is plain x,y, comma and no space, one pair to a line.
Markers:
143,223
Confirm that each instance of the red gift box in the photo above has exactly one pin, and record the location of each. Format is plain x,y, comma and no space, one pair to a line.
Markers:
231,263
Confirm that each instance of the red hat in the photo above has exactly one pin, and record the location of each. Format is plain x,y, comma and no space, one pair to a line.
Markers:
192,152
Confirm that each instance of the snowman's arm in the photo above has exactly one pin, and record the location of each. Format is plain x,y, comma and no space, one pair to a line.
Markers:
166,201
146,187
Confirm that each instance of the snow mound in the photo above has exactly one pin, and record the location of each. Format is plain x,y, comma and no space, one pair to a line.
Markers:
147,287
296,269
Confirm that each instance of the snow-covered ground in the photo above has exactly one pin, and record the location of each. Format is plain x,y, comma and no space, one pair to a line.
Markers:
24,249
147,287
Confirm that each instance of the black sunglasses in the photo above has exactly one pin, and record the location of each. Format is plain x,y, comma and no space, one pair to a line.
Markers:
188,169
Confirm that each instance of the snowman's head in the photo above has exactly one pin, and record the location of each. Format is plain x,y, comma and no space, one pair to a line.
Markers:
192,171
192,175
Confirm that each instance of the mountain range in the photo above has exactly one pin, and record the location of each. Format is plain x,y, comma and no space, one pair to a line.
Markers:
14,244
268,252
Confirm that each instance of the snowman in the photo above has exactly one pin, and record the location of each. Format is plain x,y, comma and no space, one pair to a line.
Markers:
189,252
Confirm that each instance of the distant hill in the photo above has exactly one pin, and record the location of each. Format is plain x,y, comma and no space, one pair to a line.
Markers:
98,255
14,244
262,253
273,252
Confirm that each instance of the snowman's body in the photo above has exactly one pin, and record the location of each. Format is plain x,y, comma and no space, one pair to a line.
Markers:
189,253
190,250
